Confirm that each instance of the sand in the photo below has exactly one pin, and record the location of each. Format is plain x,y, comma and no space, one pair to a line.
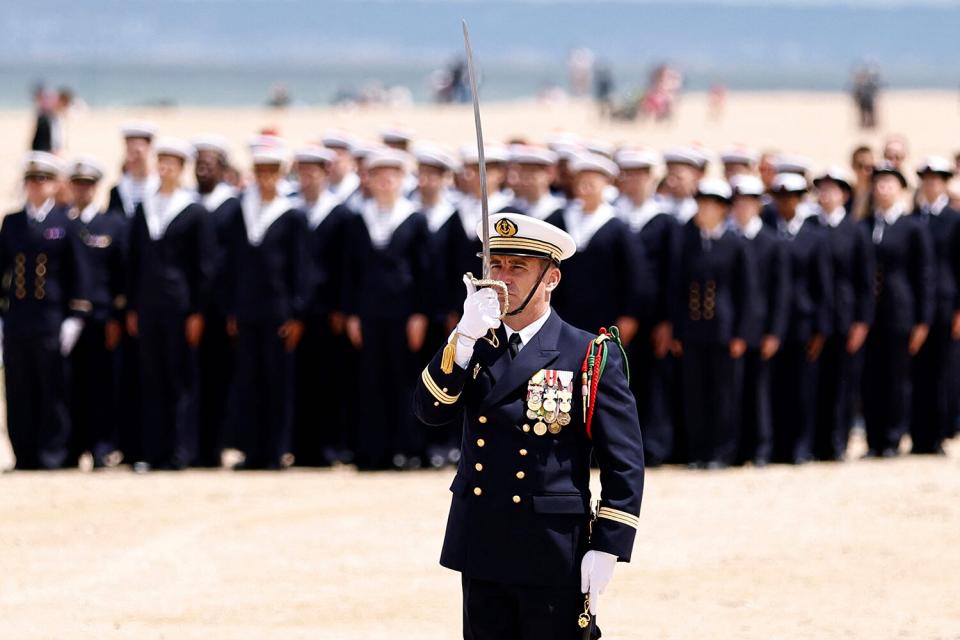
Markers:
862,549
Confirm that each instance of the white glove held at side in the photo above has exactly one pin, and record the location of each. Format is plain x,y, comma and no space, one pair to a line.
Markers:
69,334
596,571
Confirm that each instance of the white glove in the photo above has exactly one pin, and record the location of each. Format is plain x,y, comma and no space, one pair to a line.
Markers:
69,334
481,312
596,571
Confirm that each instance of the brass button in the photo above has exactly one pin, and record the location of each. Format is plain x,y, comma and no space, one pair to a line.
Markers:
445,389
516,499
526,428
482,419
521,475
480,442
436,404
477,491
478,467
42,258
523,452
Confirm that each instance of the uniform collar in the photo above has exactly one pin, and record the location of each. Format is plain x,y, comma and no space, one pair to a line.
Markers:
217,196
582,226
88,213
529,331
752,228
39,214
891,215
834,218
937,207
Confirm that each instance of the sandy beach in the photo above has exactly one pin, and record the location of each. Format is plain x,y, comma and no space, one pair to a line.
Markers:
866,549
820,126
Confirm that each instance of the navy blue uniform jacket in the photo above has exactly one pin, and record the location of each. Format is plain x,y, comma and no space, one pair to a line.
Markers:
520,507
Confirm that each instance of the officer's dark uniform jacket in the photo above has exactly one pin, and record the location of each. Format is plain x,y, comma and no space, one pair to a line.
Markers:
45,275
104,241
521,502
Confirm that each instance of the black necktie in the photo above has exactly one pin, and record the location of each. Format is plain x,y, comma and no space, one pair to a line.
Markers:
513,344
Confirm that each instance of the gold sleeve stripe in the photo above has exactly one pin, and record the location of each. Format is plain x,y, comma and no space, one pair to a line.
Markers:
435,390
81,305
619,516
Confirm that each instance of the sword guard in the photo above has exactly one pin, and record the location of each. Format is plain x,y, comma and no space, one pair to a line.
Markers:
481,283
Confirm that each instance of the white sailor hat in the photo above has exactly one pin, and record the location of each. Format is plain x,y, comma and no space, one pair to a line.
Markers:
41,163
514,234
336,139
789,183
174,147
314,154
269,156
714,188
396,135
739,155
85,169
139,129
492,153
632,158
527,154
262,140
792,164
387,158
888,169
433,156
212,142
594,162
937,165
359,152
747,185
834,174
563,140
601,148
685,155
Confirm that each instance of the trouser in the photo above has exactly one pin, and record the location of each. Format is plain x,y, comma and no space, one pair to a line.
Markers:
216,364
385,382
794,395
130,410
94,376
263,395
711,380
886,389
38,421
168,391
755,418
651,379
497,611
934,403
836,399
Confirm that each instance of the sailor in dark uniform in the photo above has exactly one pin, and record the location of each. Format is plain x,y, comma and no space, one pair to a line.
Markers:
685,167
401,139
519,527
658,233
934,399
321,434
766,325
607,283
94,362
535,170
904,287
343,180
171,268
386,298
215,354
45,287
267,279
794,380
711,308
738,161
852,265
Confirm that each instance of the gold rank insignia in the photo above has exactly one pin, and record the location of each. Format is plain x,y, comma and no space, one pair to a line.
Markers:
506,227
476,370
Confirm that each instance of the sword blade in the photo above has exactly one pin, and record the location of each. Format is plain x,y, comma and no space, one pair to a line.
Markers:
485,225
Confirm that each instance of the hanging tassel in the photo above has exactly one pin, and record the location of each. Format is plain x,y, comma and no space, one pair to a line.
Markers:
449,354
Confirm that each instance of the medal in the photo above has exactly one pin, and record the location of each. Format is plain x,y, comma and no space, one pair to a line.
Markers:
565,406
563,419
540,429
534,403
537,377
549,405
555,428
549,417
531,414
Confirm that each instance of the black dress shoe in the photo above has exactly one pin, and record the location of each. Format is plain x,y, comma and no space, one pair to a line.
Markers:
889,452
760,462
717,464
871,453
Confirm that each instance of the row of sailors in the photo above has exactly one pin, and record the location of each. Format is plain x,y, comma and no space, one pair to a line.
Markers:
282,323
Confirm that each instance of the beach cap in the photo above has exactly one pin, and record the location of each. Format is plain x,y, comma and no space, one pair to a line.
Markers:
174,147
526,154
885,168
745,185
212,142
937,165
636,159
85,169
789,183
835,174
594,162
716,188
514,234
139,129
41,163
314,154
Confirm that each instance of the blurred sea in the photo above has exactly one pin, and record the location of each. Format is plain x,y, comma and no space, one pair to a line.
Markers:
230,52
